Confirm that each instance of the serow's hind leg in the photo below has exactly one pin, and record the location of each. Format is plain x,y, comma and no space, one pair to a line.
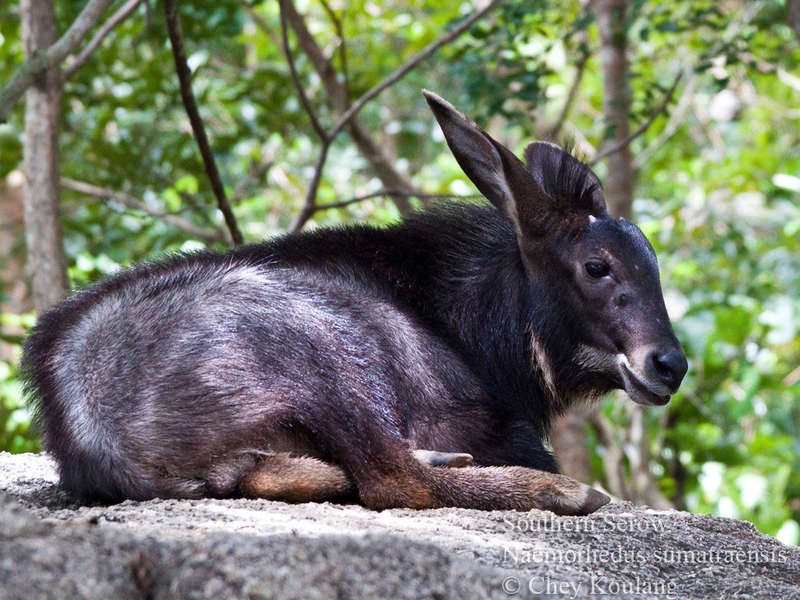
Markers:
296,479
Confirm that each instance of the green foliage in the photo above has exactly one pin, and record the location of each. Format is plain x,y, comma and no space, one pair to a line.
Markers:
733,273
16,434
718,198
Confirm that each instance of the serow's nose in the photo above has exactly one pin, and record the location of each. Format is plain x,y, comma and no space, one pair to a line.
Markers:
670,367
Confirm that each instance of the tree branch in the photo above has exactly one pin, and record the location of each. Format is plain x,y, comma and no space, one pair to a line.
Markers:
310,204
379,193
639,457
341,101
47,263
52,57
794,16
569,441
613,457
675,121
262,23
613,18
410,65
573,92
342,46
323,135
792,377
256,172
190,104
377,156
733,30
220,235
118,17
642,128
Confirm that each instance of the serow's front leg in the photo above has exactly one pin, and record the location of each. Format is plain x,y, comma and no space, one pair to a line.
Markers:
385,473
514,488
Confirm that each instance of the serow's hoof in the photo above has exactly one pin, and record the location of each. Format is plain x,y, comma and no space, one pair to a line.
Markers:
443,459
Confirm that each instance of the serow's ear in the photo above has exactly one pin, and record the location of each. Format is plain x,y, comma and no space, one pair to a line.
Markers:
493,168
555,192
566,180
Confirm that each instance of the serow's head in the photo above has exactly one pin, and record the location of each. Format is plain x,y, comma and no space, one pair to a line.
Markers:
603,270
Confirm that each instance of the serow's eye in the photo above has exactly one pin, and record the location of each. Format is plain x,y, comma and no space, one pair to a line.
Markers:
596,269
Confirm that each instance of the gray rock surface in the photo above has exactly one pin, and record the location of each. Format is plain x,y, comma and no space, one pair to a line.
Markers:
51,547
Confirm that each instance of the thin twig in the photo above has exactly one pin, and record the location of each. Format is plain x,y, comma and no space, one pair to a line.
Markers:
262,23
410,65
327,137
118,17
190,104
732,31
674,123
573,92
342,46
220,235
613,457
713,134
310,204
316,56
792,377
148,14
642,128
43,60
379,193
323,135
794,16
255,173
639,458
377,156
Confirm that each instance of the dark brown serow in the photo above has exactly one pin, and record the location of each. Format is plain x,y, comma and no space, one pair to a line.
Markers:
362,362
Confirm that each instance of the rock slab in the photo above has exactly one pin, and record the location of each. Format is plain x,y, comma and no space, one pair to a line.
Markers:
51,547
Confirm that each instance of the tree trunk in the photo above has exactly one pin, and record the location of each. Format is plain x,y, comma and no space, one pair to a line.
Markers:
569,441
612,24
43,235
569,438
794,16
14,297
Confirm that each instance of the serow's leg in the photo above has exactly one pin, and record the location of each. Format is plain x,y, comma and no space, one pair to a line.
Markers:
296,479
404,479
302,479
515,488
368,458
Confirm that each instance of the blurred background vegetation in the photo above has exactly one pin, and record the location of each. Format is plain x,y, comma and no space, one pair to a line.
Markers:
713,110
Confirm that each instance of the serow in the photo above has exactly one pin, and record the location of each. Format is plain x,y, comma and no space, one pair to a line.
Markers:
418,365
